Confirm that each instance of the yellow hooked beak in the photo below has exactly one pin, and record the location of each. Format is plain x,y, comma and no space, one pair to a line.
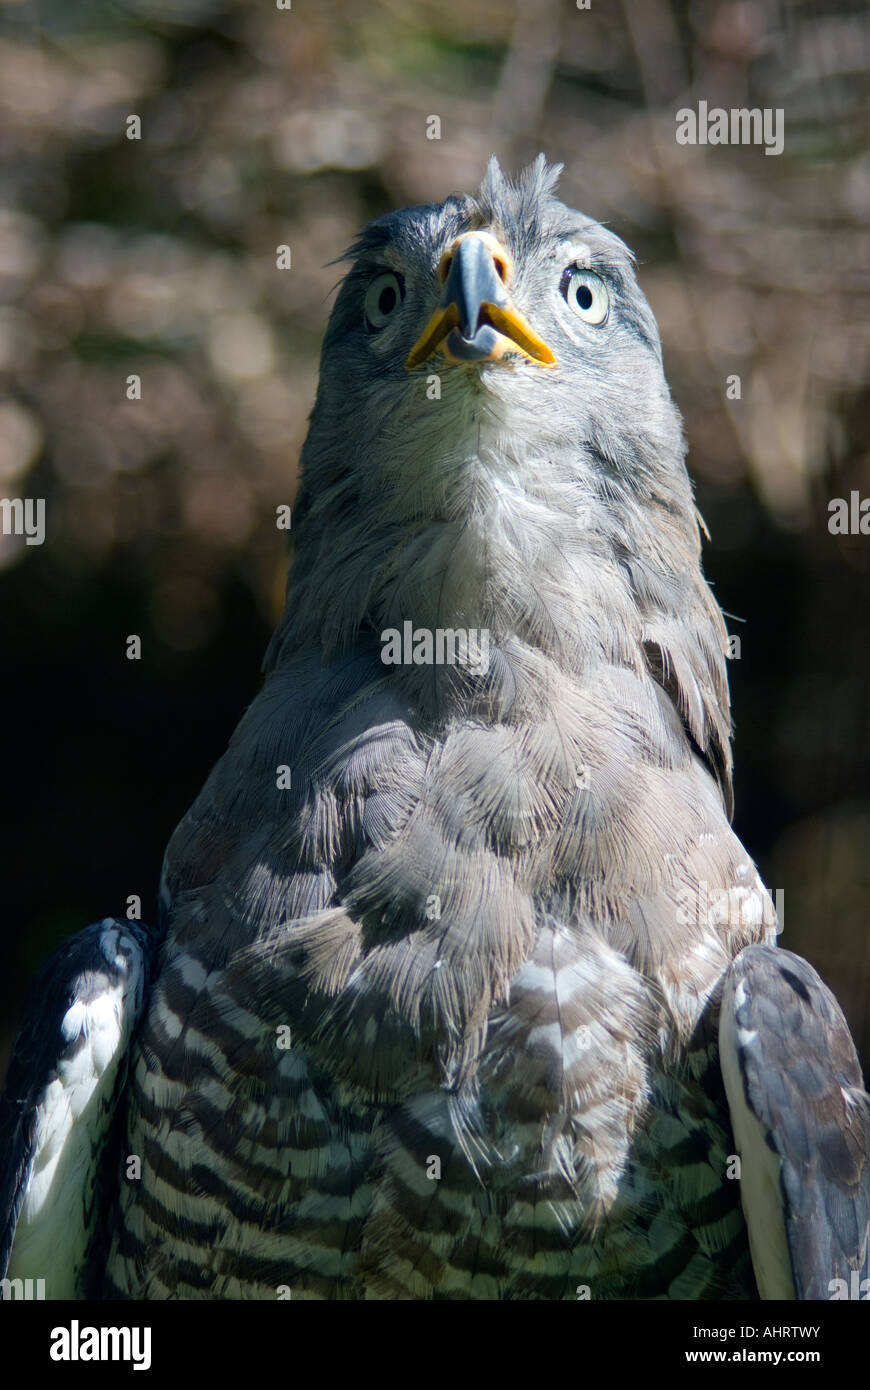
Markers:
475,320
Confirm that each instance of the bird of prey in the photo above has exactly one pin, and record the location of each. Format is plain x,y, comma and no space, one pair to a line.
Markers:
464,987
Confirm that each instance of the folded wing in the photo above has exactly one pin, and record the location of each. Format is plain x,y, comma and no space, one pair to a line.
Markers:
65,1077
801,1120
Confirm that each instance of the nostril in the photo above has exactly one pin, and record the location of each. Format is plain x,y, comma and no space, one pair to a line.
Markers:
444,268
501,268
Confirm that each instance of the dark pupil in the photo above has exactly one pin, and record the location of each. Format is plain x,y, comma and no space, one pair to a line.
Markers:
387,300
583,296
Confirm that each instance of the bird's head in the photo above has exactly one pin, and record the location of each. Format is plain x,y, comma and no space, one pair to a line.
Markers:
505,306
494,448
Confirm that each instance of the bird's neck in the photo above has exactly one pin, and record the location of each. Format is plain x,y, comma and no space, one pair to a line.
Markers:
490,554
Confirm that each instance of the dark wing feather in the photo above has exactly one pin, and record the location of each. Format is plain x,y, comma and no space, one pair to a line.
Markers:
802,1123
71,1044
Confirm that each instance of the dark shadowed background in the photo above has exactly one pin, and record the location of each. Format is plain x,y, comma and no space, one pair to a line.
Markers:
263,127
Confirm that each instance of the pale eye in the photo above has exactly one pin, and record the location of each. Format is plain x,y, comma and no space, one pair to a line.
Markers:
383,297
585,293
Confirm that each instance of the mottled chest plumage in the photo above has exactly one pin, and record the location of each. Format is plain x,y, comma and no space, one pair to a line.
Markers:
468,1052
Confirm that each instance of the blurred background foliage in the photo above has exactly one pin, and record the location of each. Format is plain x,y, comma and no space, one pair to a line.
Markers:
157,256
